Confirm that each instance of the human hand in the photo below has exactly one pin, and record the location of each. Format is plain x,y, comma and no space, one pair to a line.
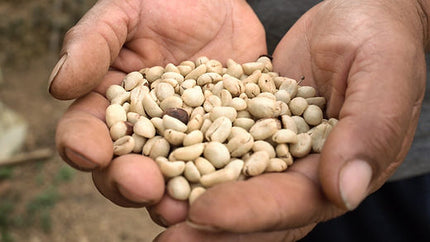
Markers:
367,58
116,37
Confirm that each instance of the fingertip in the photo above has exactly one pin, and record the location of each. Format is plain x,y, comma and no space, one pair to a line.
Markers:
346,172
354,179
77,160
138,178
130,181
84,141
80,70
168,211
91,45
52,89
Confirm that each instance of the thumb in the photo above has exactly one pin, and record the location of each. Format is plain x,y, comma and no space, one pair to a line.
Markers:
377,121
90,47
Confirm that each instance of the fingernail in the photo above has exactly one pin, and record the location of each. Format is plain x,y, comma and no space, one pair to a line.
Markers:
208,228
78,160
56,69
131,195
355,178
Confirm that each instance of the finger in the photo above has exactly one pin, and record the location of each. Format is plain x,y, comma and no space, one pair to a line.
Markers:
268,202
183,232
91,46
372,85
111,78
82,137
294,58
130,181
291,57
168,211
385,87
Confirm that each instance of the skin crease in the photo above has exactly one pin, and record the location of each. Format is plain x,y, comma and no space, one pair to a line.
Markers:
130,35
365,57
114,38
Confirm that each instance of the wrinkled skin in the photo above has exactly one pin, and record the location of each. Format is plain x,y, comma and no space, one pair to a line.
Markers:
366,57
129,35
116,37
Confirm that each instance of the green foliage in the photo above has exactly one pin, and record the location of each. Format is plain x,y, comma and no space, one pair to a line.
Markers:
45,220
6,209
39,209
40,179
43,201
65,174
6,173
5,236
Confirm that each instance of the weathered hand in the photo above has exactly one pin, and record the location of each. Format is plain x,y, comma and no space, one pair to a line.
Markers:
129,35
367,58
116,37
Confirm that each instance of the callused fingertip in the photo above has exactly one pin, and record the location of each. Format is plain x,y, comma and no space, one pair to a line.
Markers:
56,70
354,179
78,160
202,227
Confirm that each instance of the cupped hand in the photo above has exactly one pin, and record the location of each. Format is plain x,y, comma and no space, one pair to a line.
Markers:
367,58
116,37
130,35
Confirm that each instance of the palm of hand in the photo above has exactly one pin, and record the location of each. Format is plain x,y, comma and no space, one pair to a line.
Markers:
344,66
130,35
370,67
117,37
172,31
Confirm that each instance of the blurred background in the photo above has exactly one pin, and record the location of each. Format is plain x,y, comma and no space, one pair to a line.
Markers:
42,198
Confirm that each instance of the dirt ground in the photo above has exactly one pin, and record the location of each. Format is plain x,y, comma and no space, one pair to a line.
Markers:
47,200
